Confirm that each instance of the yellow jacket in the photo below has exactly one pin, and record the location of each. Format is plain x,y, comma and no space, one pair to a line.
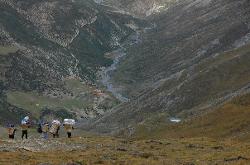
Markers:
11,130
24,126
45,128
68,127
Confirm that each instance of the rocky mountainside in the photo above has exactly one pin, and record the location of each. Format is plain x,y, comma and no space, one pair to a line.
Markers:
122,63
196,58
168,78
51,52
139,8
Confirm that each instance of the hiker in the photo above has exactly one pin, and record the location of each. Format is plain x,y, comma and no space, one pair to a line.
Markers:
11,131
57,132
55,127
45,130
68,125
39,127
25,124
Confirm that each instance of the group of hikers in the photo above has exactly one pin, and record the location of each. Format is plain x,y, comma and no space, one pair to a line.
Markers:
43,127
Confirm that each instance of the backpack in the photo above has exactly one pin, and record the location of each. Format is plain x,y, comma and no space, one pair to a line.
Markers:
39,128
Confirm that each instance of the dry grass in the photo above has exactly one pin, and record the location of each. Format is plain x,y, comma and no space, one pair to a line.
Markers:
230,121
107,150
219,137
5,50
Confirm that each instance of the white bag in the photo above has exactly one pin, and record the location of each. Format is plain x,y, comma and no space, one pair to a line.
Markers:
25,120
56,122
69,121
53,129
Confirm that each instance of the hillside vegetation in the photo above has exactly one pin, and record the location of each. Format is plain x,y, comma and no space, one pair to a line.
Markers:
124,69
43,47
228,121
195,58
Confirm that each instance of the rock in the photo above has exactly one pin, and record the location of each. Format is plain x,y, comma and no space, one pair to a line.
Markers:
74,163
235,159
218,148
99,162
121,149
194,146
154,141
145,155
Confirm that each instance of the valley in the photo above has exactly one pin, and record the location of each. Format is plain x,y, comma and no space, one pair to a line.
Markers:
54,67
187,65
148,81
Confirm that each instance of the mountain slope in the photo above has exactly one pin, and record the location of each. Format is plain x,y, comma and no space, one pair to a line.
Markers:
51,51
228,121
140,8
196,58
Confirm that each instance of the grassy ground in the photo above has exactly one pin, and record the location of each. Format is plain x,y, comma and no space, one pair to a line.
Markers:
107,150
219,137
82,99
35,102
230,121
5,50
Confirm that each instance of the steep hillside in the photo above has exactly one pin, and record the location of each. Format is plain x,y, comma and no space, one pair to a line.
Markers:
67,59
51,51
196,57
170,79
228,121
139,8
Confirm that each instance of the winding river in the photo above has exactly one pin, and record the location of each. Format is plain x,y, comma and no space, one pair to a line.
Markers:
118,54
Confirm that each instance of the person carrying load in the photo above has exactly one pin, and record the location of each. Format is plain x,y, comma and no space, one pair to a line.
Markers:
55,127
11,131
45,130
68,125
39,127
25,124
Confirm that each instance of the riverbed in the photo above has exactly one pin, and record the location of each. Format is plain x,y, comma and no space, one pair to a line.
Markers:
118,55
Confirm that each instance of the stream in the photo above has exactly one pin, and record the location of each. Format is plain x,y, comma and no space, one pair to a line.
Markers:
118,54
